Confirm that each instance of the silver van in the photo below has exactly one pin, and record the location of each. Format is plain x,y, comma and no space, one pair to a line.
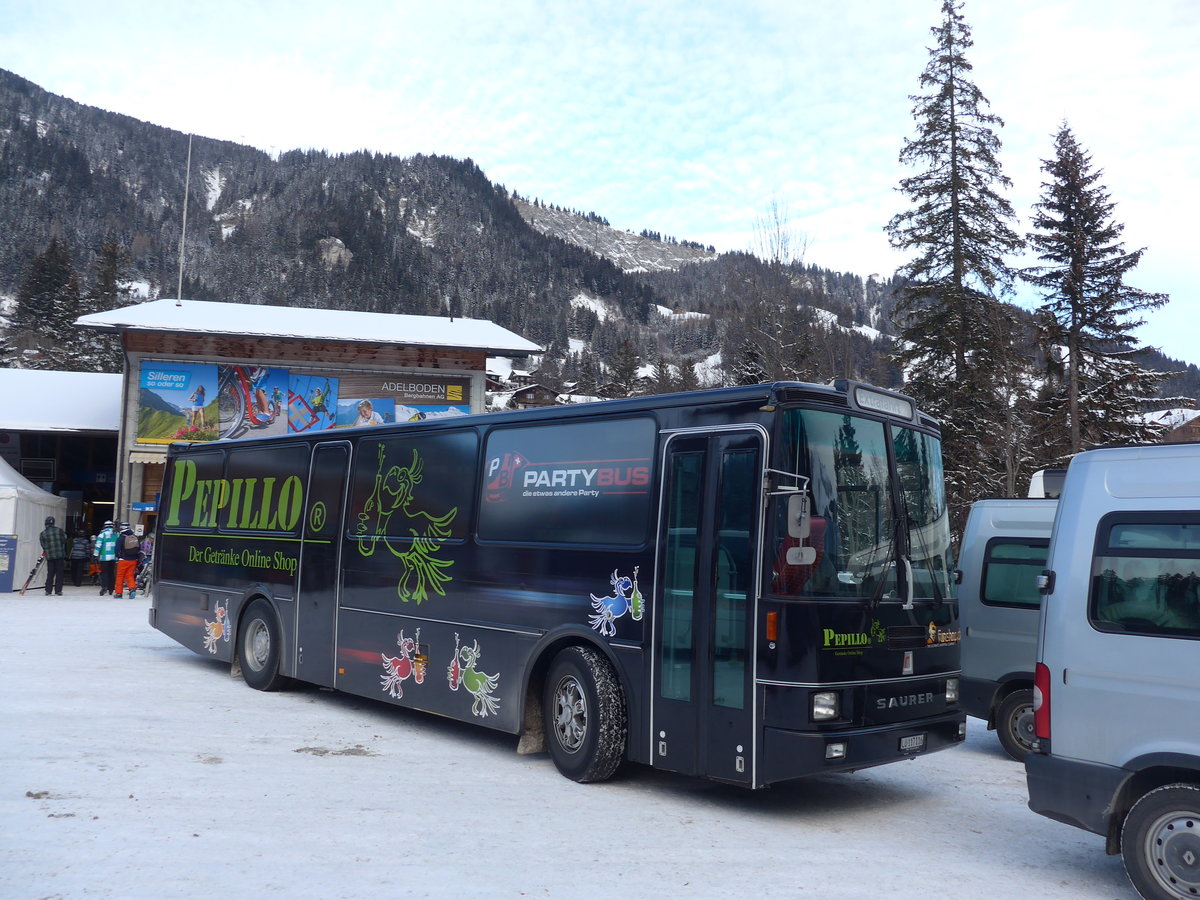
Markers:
1117,681
1004,548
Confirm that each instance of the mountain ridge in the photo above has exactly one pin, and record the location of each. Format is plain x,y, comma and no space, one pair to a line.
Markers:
424,234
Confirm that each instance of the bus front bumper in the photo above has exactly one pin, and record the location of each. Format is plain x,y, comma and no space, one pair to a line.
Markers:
796,754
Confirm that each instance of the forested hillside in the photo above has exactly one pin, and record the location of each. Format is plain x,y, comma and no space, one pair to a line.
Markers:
369,231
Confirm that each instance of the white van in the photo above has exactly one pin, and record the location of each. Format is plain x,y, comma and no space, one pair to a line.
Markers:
1117,682
1004,548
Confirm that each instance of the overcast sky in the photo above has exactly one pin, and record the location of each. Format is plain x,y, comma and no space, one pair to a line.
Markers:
688,118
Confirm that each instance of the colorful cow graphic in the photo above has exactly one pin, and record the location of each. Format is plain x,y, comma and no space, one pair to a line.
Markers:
216,630
479,685
410,663
626,598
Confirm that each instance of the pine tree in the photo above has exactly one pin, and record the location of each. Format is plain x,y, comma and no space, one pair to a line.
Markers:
664,380
687,377
623,373
109,289
1090,313
47,304
956,339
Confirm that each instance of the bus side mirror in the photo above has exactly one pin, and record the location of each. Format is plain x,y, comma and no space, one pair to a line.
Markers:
801,556
799,518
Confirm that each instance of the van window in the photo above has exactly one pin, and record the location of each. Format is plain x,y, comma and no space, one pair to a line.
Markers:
1146,575
1010,570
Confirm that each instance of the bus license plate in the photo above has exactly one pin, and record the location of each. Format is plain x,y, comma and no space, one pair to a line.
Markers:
912,743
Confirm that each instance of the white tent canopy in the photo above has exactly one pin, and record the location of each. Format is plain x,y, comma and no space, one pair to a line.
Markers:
23,510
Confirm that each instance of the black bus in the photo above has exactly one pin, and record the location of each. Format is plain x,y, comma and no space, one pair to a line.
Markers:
749,584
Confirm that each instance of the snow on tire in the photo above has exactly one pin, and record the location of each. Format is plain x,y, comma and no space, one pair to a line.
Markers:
585,719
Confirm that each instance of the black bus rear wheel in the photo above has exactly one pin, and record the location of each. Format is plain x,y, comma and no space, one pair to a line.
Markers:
584,711
259,643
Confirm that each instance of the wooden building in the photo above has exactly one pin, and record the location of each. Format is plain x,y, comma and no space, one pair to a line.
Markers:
201,371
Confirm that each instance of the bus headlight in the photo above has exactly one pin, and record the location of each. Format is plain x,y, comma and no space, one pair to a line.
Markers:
825,706
951,690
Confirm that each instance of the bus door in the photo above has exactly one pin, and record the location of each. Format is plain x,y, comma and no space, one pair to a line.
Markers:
320,564
703,704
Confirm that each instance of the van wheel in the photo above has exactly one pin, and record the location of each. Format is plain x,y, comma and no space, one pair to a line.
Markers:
583,707
1014,724
1160,842
259,643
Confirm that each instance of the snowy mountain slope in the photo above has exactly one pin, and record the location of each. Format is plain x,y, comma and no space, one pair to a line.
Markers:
629,252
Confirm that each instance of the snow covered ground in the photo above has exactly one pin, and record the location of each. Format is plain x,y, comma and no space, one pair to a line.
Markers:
133,768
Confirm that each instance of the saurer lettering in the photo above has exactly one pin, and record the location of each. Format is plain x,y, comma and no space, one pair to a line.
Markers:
903,700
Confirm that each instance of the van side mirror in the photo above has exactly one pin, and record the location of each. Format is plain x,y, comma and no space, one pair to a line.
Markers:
1045,582
799,517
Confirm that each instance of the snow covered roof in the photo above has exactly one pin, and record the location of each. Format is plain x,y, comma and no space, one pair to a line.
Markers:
40,400
1171,418
210,317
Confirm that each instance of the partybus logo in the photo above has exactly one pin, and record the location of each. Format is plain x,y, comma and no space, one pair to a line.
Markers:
515,472
254,504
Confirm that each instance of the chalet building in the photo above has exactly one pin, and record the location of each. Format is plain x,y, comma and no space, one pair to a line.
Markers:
520,378
202,371
532,396
1182,425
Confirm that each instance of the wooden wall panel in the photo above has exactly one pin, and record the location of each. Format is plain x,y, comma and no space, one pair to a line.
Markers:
215,347
152,479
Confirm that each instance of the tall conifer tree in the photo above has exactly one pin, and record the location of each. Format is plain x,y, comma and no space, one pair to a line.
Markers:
956,338
624,372
1087,321
109,289
48,302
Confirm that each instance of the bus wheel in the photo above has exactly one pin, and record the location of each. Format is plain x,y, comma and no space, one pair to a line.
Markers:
1160,842
584,711
258,647
1014,724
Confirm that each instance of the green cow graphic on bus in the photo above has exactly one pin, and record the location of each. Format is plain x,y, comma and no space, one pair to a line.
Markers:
393,495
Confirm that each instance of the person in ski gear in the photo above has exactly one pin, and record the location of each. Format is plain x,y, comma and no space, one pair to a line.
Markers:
54,544
81,551
106,552
129,552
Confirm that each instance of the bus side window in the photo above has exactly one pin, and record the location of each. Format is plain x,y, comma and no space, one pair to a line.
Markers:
410,489
192,502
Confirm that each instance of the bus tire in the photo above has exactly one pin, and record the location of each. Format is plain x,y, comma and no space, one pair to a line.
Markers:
583,707
1014,724
258,646
1160,842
